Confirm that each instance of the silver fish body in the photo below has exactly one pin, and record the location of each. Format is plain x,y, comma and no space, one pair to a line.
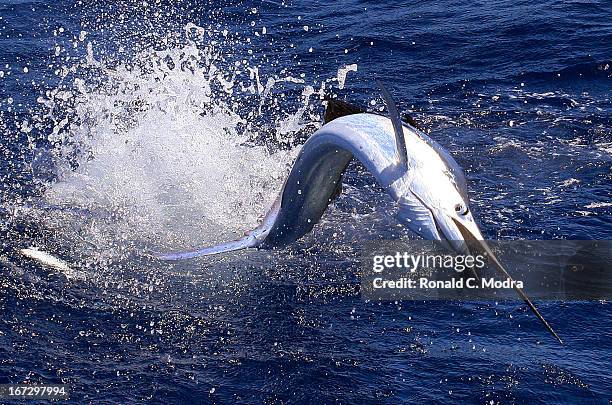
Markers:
424,180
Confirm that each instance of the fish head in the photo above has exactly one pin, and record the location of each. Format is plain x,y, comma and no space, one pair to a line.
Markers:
455,222
435,203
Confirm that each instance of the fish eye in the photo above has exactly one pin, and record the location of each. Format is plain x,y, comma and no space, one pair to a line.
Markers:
461,210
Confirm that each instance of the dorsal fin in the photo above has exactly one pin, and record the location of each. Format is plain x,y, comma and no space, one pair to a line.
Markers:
400,142
409,119
338,108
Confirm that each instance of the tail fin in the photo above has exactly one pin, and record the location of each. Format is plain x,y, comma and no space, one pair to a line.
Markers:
245,242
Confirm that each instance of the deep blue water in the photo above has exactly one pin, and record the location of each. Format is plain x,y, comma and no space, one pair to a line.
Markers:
518,91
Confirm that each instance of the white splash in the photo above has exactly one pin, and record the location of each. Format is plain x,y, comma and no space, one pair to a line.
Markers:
161,147
166,152
292,122
342,72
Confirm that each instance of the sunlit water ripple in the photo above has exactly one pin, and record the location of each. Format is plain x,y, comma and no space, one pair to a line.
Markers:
135,126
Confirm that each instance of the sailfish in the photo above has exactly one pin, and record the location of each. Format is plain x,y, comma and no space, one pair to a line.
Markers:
423,179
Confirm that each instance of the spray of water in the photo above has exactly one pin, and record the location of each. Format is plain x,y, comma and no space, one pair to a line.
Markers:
166,152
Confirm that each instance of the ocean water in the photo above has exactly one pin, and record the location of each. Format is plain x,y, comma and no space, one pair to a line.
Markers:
157,125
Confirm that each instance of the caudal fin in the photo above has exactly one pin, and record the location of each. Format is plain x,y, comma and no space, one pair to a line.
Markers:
247,241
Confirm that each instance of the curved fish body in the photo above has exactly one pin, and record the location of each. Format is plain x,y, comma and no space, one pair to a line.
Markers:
424,180
317,171
370,139
315,176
